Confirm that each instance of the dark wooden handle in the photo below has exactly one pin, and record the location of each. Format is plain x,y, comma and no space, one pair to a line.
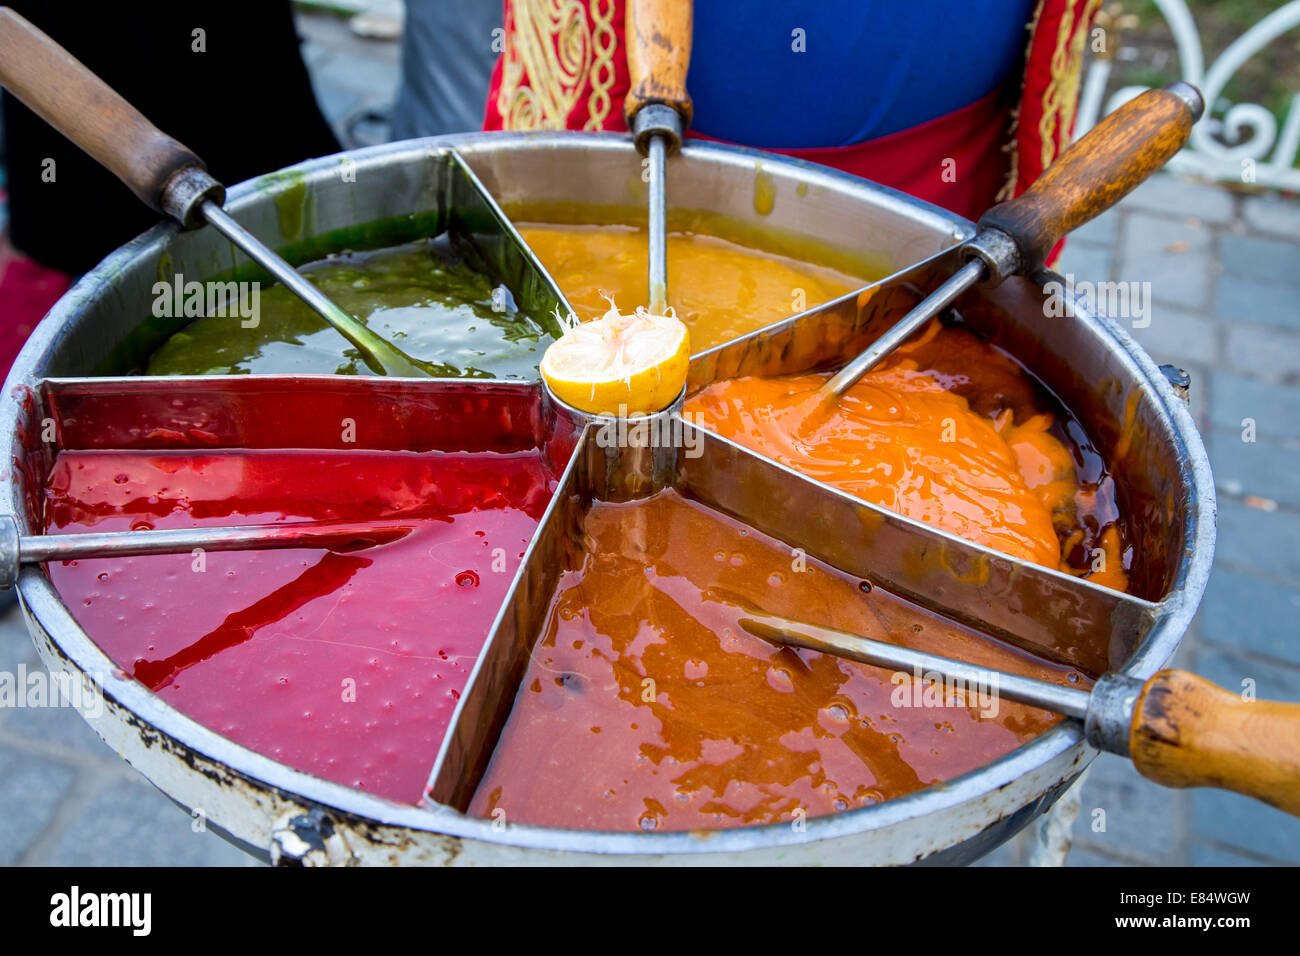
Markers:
81,106
1096,172
1187,732
658,38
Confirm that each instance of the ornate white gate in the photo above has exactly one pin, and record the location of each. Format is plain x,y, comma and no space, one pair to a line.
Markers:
1258,153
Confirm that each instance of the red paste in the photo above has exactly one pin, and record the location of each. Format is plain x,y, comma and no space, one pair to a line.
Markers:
344,665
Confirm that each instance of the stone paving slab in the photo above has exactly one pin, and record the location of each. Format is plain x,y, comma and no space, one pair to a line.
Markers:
1174,255
1235,397
1087,261
1210,854
62,729
1261,468
66,798
1259,540
1272,261
1242,673
1179,337
129,823
1245,826
1270,213
31,791
1082,856
1251,613
1104,230
16,648
1272,354
1176,197
1115,818
1248,299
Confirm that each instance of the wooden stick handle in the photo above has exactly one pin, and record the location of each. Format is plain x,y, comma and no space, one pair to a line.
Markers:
658,38
81,106
1096,172
1187,732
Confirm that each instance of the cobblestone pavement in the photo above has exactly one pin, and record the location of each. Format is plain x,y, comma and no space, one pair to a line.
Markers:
1225,305
1225,287
68,799
1225,282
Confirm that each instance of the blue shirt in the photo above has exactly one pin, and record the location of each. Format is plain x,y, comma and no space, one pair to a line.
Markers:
868,67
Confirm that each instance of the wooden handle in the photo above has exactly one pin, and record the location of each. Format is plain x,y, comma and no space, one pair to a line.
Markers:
81,106
1187,732
658,38
1098,171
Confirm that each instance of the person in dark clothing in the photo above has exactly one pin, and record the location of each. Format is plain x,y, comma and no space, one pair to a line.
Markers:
225,78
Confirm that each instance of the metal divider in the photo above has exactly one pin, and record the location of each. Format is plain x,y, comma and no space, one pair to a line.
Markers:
208,412
337,412
1061,618
330,412
226,414
1058,616
493,245
1050,613
827,333
489,694
608,464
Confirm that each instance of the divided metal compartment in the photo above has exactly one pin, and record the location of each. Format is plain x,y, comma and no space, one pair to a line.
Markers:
1129,410
1060,617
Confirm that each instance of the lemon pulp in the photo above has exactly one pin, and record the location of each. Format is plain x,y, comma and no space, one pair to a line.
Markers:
619,364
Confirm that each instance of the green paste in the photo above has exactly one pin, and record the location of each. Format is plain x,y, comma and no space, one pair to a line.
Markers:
419,296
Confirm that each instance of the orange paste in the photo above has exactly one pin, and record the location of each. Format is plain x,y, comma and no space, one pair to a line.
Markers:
905,439
646,706
721,290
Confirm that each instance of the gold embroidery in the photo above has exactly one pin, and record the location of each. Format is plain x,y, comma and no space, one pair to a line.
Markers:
602,70
552,53
1051,96
1070,96
545,64
1060,100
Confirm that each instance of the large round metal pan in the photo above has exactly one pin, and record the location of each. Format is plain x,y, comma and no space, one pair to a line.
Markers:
1125,403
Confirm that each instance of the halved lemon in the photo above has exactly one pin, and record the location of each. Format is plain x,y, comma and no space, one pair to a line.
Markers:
619,364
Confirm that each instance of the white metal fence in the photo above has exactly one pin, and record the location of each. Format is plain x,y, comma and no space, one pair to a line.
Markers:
1241,142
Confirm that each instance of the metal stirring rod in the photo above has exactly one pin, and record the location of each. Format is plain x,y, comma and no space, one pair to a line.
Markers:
1089,177
932,305
16,549
1179,729
162,172
1070,701
658,110
656,222
379,353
